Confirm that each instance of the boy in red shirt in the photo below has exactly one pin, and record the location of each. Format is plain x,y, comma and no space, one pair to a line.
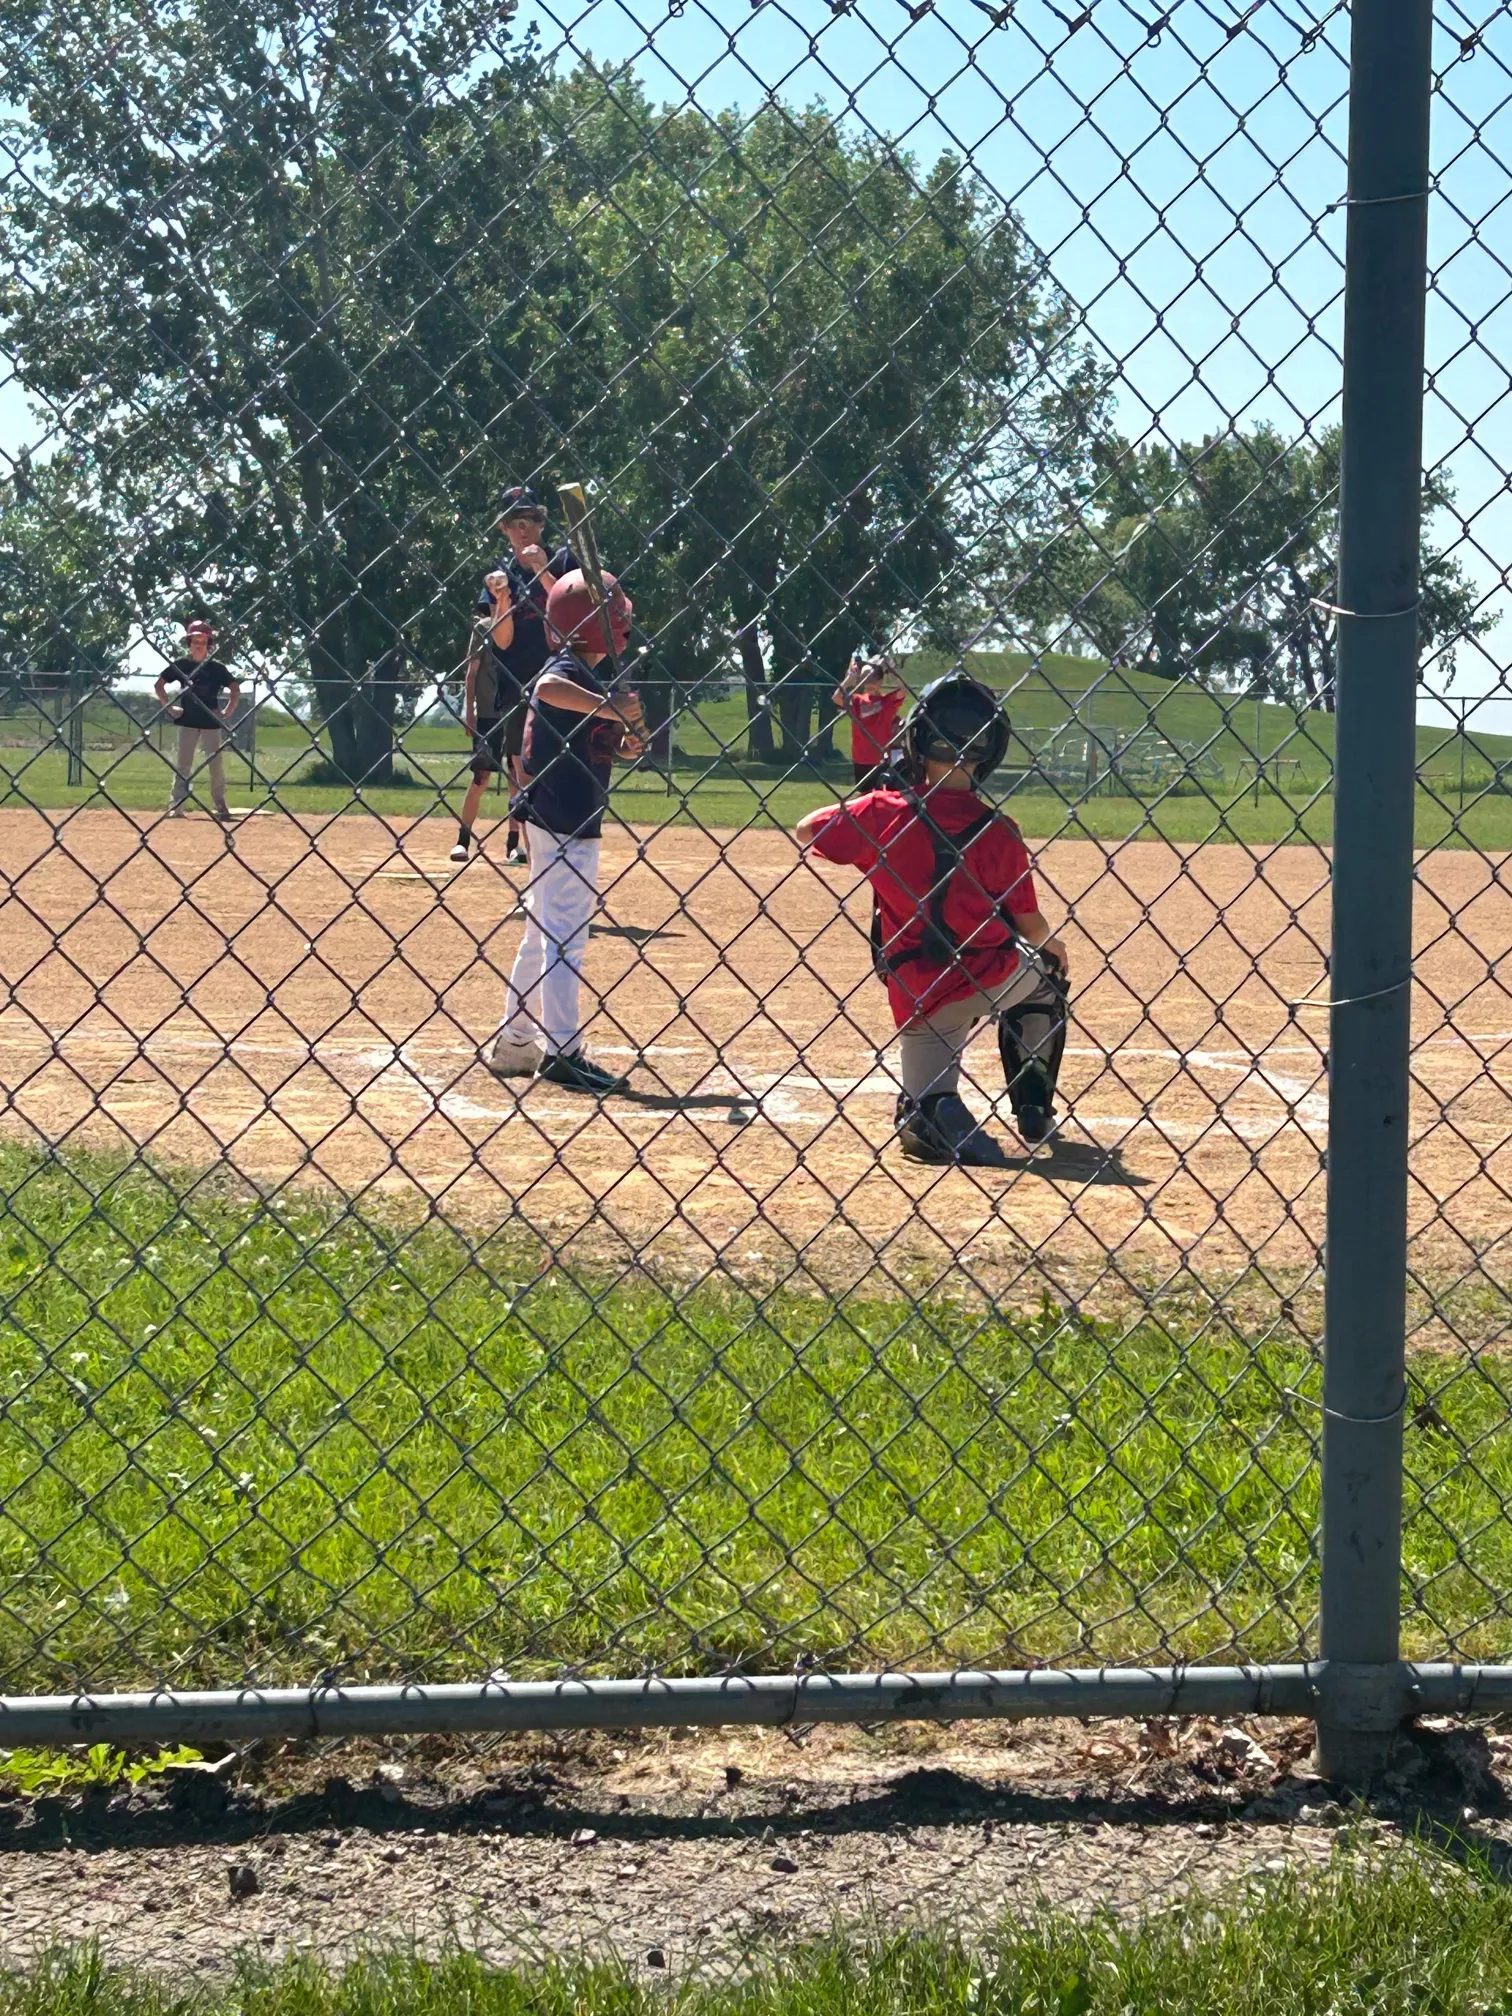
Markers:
955,910
873,695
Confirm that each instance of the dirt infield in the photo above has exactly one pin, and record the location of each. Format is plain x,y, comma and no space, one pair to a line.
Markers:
308,996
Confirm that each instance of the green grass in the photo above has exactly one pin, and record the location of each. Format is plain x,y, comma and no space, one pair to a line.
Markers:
245,1435
1411,1936
85,1767
714,786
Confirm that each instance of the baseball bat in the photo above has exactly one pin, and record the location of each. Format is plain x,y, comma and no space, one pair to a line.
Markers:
581,535
584,540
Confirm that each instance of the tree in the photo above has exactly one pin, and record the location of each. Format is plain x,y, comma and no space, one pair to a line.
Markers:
270,270
312,282
814,347
63,609
1215,560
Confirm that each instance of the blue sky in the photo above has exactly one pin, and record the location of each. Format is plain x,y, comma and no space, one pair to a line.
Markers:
1179,184
1182,188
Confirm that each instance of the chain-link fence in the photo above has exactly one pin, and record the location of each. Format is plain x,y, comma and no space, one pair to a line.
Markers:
697,1324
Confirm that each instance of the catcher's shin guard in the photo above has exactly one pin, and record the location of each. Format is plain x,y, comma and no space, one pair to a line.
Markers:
1032,1042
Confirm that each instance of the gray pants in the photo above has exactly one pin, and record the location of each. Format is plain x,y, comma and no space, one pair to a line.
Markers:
199,742
933,1046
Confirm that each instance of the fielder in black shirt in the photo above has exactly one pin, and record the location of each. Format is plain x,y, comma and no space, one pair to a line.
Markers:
195,705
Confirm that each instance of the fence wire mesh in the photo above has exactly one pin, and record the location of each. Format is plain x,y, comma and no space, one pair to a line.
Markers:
888,341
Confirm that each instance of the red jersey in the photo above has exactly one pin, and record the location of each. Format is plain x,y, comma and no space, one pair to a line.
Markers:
874,722
882,834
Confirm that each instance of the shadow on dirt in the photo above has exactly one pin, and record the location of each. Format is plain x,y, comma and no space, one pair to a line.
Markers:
1443,1791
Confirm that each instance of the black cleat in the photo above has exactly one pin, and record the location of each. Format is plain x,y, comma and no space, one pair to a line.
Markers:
579,1073
939,1128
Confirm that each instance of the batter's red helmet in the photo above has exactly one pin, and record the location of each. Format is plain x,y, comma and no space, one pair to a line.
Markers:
574,615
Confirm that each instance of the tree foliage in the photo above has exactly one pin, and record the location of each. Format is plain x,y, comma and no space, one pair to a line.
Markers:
1216,560
248,262
310,284
61,611
314,282
814,345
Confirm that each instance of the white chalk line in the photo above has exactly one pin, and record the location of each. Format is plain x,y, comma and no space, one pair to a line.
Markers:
421,1074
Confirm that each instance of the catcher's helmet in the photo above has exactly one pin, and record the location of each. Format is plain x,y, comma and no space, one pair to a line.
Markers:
573,613
956,720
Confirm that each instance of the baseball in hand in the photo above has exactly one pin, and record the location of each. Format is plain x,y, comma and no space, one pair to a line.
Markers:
497,585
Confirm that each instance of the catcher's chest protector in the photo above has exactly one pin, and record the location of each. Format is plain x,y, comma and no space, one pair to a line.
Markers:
937,941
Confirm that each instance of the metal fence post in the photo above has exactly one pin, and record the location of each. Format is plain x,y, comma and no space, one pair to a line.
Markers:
76,695
1374,788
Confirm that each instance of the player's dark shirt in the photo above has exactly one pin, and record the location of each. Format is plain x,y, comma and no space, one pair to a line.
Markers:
522,658
569,759
201,682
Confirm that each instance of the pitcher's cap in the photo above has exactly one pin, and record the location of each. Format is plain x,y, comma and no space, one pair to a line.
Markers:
520,501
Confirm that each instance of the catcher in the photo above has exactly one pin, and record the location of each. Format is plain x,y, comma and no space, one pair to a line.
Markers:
956,932
574,730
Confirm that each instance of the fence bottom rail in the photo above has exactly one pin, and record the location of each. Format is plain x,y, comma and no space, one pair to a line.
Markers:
1371,1699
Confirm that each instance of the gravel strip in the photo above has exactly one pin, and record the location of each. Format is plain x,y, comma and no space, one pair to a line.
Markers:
680,1855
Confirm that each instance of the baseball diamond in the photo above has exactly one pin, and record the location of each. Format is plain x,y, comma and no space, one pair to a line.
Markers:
317,1011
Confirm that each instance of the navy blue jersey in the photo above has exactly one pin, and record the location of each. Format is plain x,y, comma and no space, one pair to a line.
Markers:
522,658
569,759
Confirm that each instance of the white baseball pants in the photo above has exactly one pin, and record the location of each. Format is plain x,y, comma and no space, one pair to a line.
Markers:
542,1003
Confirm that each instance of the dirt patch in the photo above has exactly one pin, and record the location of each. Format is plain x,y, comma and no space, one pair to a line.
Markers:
307,998
681,1852
692,1851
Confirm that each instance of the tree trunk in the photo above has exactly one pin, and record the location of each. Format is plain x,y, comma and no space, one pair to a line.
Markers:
759,745
795,707
332,687
374,724
822,740
1302,651
829,715
658,698
1308,631
1326,686
356,712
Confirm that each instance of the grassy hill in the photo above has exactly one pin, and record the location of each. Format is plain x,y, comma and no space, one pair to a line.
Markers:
1096,711
1059,689
1079,694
